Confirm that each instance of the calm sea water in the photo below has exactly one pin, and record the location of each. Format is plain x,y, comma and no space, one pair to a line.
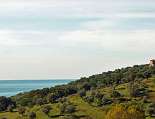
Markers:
12,87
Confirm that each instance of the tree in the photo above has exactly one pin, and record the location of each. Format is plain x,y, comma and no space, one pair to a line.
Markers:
147,74
51,98
86,86
122,112
5,102
32,115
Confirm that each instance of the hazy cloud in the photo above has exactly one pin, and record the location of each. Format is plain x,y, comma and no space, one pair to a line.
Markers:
70,38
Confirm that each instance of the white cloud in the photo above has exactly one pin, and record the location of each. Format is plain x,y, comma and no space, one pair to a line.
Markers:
33,50
98,35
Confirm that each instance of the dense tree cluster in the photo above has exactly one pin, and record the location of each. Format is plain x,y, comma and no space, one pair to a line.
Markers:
110,78
6,103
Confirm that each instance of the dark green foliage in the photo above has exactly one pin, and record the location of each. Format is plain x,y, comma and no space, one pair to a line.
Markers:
62,100
89,99
32,115
97,98
85,86
51,97
5,103
25,101
147,74
106,101
151,109
67,108
105,79
82,93
70,109
115,94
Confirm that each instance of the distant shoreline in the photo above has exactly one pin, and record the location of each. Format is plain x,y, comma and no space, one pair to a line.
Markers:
12,87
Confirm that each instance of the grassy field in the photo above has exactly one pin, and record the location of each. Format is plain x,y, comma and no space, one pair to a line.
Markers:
83,109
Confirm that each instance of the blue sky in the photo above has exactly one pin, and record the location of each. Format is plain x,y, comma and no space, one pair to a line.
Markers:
54,39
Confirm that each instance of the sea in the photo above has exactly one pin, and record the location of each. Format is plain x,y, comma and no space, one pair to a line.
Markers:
12,87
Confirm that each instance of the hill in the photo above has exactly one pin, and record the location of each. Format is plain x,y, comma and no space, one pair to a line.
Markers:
127,93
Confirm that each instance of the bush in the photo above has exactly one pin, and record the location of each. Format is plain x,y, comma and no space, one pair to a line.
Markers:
82,93
46,109
89,99
39,101
21,110
51,98
70,109
115,94
32,115
5,102
120,112
151,109
106,101
67,108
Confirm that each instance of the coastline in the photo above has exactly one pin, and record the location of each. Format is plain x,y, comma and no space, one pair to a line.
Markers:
13,87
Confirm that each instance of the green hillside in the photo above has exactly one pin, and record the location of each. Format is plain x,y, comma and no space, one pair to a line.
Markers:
127,93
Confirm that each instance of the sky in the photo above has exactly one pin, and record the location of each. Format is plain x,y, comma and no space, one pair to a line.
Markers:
69,39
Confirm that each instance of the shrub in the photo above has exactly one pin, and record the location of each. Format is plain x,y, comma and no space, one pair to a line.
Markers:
39,101
70,109
115,94
67,108
151,109
62,100
21,110
32,115
51,98
46,109
106,101
89,99
82,93
120,112
5,102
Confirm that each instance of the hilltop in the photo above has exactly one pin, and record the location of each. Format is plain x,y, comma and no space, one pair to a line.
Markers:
126,93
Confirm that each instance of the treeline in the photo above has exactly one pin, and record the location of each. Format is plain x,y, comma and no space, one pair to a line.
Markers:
110,78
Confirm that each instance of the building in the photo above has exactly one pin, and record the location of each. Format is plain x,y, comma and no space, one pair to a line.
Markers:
152,63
